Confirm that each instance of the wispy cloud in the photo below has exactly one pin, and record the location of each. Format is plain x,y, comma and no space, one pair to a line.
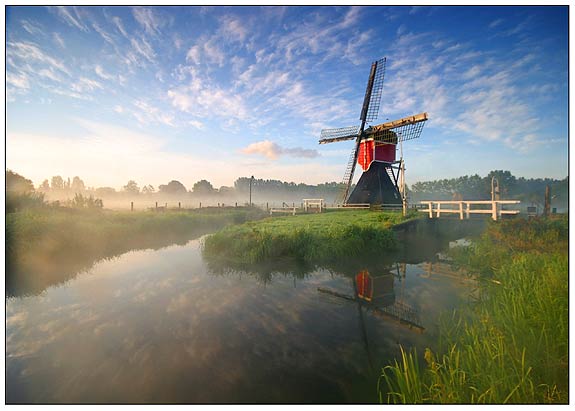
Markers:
117,21
149,19
86,85
71,16
18,80
233,29
495,23
29,52
204,99
106,36
32,27
59,40
272,150
143,48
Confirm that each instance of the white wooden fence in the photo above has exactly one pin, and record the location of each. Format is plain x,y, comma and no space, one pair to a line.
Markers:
464,208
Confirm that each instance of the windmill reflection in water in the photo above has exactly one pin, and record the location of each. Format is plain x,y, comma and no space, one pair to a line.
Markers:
376,294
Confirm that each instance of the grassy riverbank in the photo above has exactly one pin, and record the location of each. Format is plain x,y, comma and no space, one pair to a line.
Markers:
314,238
512,345
47,245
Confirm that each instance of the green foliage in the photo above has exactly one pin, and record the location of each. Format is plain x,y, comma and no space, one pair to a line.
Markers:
20,193
510,347
173,187
315,238
203,187
81,201
131,188
17,184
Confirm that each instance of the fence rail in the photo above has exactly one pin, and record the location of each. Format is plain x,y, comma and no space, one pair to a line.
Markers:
464,208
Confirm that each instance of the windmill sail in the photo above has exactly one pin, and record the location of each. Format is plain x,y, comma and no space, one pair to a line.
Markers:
330,135
396,131
373,91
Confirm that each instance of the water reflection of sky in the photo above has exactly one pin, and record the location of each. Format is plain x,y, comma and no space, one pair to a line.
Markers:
155,326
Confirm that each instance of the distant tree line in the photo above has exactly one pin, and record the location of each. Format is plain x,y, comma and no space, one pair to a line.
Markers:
268,188
474,187
20,191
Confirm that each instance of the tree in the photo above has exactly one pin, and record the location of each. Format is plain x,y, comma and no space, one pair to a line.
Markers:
105,191
77,184
173,187
131,187
57,183
203,187
224,190
17,184
149,189
45,186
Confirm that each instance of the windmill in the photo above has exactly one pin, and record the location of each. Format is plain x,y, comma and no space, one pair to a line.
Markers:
382,181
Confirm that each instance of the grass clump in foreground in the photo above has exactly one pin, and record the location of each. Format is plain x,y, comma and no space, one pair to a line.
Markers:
47,245
312,238
512,345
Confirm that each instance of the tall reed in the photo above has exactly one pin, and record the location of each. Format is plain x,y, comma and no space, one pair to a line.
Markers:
511,346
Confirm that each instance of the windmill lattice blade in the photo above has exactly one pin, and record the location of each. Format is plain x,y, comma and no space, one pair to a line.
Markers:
407,128
348,176
375,99
331,135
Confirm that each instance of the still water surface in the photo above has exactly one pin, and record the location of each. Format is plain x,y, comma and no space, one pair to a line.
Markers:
160,327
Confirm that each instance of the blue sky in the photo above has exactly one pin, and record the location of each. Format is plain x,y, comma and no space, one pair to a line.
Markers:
190,93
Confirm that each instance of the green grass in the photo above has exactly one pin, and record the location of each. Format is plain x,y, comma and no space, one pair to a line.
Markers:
511,346
47,245
312,238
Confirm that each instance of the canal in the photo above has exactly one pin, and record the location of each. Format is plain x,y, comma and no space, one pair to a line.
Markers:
164,326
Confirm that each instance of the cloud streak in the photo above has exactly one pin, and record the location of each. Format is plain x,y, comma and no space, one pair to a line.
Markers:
273,151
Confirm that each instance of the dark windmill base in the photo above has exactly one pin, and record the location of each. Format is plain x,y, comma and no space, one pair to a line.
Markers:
375,187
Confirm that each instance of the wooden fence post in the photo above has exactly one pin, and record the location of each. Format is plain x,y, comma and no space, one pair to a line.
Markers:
494,210
131,206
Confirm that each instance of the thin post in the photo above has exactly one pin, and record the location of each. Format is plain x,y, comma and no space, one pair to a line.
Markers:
430,209
438,209
267,206
179,205
200,204
156,206
461,210
547,208
404,206
131,206
494,210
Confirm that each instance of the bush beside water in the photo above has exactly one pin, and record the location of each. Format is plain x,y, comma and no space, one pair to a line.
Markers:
512,345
